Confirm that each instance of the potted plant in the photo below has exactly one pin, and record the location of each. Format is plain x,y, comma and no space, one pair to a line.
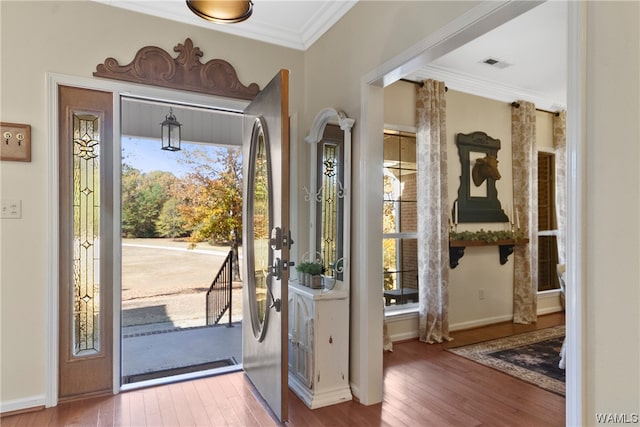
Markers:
315,271
303,269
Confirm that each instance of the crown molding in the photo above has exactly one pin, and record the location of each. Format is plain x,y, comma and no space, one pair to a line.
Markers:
300,39
470,84
323,19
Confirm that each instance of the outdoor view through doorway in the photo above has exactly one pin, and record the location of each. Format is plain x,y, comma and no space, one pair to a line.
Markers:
181,224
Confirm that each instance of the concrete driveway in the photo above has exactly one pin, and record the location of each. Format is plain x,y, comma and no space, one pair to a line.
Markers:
165,282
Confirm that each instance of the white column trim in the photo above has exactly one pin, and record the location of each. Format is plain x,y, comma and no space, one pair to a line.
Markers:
51,368
575,256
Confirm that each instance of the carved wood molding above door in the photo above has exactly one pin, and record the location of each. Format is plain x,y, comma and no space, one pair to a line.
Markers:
155,66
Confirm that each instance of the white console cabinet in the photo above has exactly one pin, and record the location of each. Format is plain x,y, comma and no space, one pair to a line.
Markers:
319,345
319,318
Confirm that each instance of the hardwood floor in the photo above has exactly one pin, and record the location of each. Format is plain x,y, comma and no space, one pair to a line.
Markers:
424,385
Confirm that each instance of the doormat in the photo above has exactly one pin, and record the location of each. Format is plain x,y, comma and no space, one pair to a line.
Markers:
145,376
532,357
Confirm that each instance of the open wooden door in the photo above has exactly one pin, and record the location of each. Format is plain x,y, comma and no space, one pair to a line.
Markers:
266,242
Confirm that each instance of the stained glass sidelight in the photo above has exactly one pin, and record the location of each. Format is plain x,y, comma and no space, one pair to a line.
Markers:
329,200
86,232
331,194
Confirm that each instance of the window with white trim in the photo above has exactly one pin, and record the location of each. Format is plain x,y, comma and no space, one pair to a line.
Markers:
547,223
399,239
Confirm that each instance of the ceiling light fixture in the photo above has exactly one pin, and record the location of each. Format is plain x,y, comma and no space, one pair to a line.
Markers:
222,11
171,132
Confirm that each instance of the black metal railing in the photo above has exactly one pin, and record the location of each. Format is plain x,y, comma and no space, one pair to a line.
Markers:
219,295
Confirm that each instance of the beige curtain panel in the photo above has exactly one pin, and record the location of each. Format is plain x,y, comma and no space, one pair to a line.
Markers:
525,200
560,148
433,232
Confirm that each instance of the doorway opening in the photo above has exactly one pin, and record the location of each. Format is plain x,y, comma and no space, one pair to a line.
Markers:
181,226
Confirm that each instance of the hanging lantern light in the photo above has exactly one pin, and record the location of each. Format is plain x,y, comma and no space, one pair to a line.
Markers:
171,133
222,11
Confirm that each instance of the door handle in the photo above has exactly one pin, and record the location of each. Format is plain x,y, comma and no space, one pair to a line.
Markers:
275,302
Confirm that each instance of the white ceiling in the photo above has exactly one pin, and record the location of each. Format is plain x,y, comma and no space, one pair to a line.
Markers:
533,45
295,24
534,48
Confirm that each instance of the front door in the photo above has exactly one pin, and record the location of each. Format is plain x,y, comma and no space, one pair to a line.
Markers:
266,241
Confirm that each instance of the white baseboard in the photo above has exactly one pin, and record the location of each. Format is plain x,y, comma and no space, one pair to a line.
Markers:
403,325
549,302
480,322
410,335
549,310
20,404
355,390
497,319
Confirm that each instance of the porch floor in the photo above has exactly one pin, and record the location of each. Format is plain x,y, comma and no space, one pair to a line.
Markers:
160,346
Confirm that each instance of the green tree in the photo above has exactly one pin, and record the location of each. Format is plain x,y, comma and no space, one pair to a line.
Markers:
143,197
170,223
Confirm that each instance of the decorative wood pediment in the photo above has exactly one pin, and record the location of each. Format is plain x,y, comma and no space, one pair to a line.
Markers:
155,66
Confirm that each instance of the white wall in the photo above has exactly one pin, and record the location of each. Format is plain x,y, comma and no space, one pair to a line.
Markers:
612,210
479,269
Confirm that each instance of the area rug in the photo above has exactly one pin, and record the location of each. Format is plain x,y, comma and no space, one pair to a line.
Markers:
532,357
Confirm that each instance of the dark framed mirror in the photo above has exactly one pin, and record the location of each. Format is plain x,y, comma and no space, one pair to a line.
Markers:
477,195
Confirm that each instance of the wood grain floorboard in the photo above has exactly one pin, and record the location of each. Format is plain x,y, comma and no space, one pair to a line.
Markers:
424,385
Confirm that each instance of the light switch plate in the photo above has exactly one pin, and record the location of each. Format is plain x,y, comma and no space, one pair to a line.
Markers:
11,208
15,142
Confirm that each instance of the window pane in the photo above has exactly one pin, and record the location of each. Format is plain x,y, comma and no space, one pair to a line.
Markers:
391,152
400,183
408,152
547,263
409,186
400,256
389,217
408,217
546,192
86,231
400,276
389,261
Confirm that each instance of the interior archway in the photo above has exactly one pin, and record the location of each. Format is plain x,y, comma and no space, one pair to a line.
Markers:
479,20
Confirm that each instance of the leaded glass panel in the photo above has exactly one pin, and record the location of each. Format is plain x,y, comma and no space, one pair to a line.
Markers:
330,201
329,211
86,232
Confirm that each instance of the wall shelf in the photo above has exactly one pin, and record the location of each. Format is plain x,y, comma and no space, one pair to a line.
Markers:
505,248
